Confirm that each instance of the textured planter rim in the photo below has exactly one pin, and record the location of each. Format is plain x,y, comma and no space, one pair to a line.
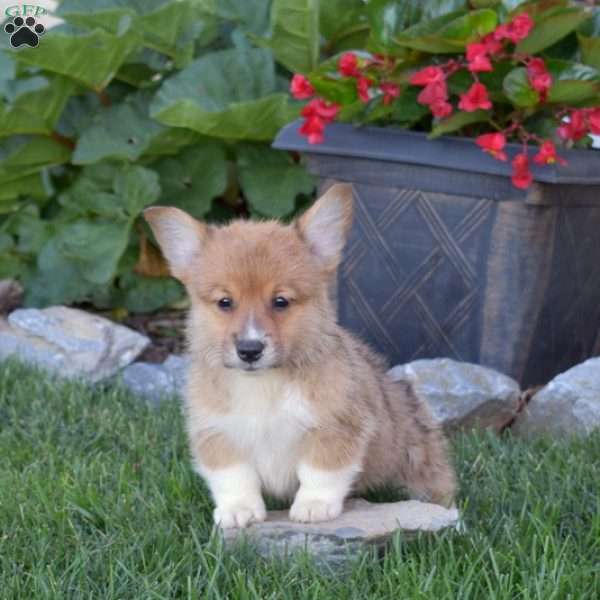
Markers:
412,147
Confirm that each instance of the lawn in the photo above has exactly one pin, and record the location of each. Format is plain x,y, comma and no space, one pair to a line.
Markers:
98,500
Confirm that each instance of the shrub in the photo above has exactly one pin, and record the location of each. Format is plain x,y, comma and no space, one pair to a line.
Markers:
131,103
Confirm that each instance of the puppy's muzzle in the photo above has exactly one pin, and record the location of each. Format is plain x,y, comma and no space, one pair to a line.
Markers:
249,350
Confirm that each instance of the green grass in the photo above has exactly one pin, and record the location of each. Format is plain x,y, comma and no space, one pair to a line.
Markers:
98,500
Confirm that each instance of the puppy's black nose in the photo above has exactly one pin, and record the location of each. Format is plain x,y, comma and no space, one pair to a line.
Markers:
249,350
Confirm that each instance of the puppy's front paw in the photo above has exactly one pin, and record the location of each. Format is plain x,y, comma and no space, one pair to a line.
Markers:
239,514
313,511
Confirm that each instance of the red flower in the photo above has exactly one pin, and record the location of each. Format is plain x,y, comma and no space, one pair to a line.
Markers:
519,28
318,113
390,91
516,30
493,143
441,109
363,85
433,93
539,77
521,176
492,45
501,32
475,98
301,88
478,58
326,111
594,120
575,129
427,76
313,128
547,154
348,65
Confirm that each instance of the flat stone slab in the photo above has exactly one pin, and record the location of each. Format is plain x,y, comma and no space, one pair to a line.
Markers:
361,524
69,342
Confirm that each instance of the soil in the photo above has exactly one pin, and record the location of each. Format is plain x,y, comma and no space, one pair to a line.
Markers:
165,330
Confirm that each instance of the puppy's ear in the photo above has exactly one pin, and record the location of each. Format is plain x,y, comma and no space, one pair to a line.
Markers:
325,225
179,235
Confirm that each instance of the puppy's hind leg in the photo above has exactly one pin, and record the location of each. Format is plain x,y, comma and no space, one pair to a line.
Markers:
425,467
430,478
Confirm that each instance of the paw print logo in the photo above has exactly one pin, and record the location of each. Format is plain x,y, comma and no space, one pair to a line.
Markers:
24,32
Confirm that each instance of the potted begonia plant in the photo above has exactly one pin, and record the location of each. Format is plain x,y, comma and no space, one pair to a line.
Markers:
467,135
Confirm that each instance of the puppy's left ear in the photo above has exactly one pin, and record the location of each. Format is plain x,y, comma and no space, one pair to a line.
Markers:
325,225
180,237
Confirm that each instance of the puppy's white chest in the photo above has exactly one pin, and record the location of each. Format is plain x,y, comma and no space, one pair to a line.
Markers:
268,420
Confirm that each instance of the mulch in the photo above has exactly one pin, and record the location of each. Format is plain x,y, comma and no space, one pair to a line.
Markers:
165,330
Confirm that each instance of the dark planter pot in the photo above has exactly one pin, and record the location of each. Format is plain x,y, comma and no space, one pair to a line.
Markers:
447,258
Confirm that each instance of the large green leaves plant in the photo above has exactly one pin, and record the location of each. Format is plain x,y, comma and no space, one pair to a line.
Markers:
130,103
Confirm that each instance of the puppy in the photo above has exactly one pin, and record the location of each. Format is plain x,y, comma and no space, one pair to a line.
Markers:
280,399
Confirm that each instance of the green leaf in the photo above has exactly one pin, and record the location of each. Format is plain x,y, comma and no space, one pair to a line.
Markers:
573,83
449,33
252,16
294,37
168,27
590,50
457,121
271,180
413,18
193,179
573,92
90,58
517,89
34,185
335,89
227,94
588,36
338,18
93,248
406,109
389,18
33,105
56,281
7,73
23,155
137,187
551,27
147,294
32,232
120,132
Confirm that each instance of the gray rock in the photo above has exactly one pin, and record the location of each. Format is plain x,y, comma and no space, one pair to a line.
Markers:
70,342
462,395
569,404
155,381
332,542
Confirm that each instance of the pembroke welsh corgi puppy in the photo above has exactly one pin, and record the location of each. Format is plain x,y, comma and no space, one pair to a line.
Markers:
280,399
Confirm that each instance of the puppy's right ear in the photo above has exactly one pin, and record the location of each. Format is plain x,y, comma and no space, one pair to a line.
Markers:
179,235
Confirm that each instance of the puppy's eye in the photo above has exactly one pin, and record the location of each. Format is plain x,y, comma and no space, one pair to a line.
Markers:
225,304
280,303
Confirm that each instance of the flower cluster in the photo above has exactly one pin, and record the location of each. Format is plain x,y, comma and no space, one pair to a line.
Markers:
318,113
376,78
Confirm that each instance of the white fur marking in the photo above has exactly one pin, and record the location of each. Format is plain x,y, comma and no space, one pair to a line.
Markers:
251,332
322,493
267,419
236,492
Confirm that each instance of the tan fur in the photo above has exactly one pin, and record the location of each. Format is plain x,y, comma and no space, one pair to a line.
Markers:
353,415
